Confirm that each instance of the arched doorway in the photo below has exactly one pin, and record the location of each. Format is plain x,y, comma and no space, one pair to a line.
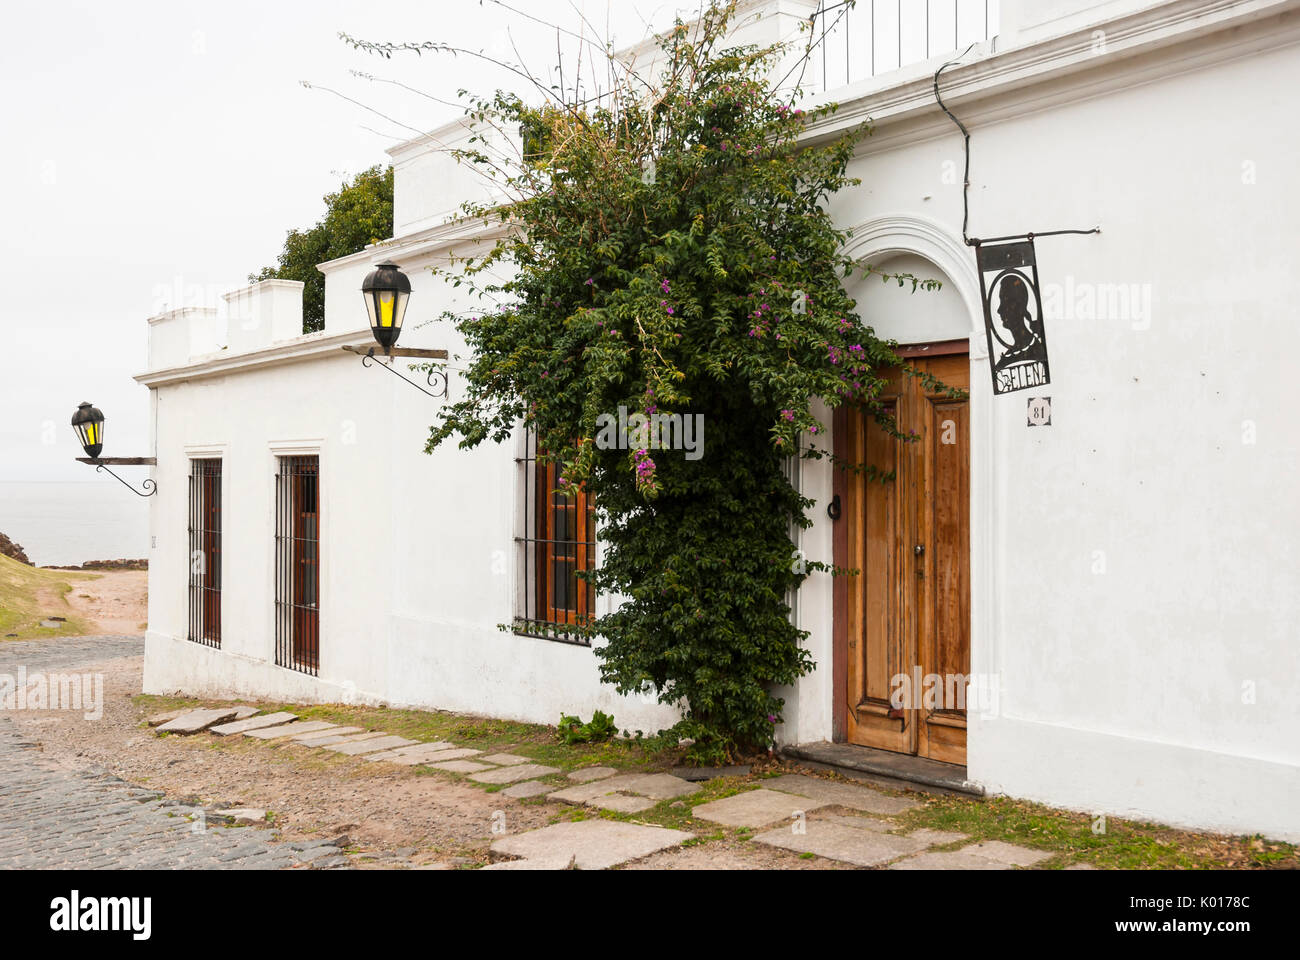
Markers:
903,623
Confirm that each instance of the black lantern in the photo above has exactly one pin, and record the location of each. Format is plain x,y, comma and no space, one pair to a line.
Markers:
386,290
88,421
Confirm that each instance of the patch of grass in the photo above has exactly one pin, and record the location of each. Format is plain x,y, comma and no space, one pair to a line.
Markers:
29,595
705,838
1125,844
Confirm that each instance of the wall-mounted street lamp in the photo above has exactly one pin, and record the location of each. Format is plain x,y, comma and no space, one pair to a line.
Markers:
88,422
387,291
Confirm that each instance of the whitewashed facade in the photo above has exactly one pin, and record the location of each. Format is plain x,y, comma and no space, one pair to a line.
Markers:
1133,568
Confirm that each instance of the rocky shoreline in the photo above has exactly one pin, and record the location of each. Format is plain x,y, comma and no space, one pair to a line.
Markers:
13,550
106,565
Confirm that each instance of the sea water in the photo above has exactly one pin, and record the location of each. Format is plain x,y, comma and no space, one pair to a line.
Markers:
66,523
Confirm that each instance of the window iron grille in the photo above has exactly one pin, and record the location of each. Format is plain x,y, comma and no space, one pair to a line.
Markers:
297,564
205,553
557,544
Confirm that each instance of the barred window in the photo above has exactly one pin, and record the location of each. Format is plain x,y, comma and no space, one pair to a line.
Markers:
297,564
558,543
205,552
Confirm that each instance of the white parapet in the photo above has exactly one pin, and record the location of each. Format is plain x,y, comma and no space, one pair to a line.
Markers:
178,335
263,313
1024,21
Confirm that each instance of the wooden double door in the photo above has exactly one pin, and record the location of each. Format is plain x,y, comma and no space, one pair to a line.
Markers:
907,611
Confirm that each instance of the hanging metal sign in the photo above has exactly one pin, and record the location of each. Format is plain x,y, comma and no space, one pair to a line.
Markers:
1013,315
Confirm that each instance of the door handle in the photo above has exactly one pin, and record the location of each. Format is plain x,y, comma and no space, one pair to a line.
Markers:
919,550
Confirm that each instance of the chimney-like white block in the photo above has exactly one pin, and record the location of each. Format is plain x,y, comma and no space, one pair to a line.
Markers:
345,309
178,335
263,313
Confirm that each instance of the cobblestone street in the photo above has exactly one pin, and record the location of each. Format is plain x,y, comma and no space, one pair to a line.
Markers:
53,817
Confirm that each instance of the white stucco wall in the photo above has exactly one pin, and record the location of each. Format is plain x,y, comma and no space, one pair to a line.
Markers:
1133,565
1139,602
418,557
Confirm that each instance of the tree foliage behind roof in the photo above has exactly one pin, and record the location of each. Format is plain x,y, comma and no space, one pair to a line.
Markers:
359,213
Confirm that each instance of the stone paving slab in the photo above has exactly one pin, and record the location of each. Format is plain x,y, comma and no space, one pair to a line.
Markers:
355,748
711,773
862,823
506,759
837,841
160,718
417,753
951,860
661,786
459,766
587,774
551,863
989,855
290,729
840,794
323,738
529,788
589,844
243,711
253,723
757,808
459,753
196,720
333,732
526,771
621,803
584,792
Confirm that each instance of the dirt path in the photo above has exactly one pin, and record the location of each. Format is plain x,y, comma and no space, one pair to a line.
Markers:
117,603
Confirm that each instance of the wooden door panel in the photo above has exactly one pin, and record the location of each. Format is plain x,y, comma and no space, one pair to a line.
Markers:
909,605
943,529
877,614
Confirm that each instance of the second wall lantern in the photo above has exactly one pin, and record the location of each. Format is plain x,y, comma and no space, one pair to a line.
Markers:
386,290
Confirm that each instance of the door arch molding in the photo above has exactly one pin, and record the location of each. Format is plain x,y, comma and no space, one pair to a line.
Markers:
893,234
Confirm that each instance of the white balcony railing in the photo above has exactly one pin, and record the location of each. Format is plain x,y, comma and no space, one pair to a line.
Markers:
857,41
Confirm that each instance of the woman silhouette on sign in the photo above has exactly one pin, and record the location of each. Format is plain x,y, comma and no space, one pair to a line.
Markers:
1013,309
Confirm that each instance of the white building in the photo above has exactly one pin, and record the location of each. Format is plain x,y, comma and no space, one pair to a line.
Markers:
1124,576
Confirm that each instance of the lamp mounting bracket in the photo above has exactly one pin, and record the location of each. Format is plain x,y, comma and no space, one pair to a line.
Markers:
436,379
101,467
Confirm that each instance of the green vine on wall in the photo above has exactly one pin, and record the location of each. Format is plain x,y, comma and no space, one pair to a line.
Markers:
671,253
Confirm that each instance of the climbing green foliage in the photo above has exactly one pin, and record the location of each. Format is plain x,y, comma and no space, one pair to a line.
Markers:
671,254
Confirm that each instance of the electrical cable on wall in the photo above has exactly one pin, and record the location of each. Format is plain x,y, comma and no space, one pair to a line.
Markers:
965,200
1014,325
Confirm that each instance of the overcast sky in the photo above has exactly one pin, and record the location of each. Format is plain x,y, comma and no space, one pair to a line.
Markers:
156,152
